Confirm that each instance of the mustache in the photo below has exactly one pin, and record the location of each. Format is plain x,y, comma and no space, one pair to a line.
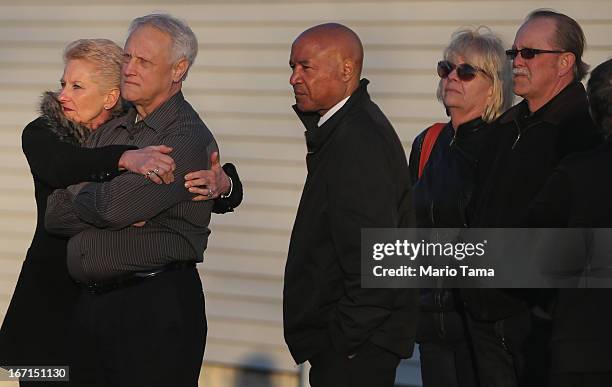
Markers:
521,71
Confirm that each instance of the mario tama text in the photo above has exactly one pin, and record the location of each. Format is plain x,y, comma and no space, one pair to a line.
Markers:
431,271
435,251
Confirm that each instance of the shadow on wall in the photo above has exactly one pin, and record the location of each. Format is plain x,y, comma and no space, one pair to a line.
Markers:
258,373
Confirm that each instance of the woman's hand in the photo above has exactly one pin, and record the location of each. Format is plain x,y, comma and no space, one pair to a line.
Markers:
152,162
208,184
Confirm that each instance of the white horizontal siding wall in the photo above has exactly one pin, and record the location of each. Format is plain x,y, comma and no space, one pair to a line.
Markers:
240,86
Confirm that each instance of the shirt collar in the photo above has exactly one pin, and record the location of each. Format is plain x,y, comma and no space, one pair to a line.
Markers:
469,128
160,118
316,136
570,101
331,111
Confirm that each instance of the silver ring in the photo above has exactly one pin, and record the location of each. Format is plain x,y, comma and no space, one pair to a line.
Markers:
156,171
210,193
148,174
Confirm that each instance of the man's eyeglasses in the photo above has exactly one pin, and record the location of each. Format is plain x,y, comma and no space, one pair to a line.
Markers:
465,72
530,53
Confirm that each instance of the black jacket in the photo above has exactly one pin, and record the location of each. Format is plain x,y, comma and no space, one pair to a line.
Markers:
578,195
515,165
442,194
357,178
36,326
524,151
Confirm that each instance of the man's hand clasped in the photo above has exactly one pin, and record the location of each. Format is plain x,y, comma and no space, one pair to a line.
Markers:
208,184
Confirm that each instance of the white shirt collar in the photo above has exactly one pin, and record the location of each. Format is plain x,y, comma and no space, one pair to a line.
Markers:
331,111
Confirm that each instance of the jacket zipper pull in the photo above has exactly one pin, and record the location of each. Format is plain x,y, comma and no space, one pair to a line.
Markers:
518,128
431,212
517,139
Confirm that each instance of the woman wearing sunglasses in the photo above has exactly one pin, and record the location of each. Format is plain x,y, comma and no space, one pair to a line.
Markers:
475,89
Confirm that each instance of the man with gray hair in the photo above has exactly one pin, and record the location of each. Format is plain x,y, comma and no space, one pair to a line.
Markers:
140,320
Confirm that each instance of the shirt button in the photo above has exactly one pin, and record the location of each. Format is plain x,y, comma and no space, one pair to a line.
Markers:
131,137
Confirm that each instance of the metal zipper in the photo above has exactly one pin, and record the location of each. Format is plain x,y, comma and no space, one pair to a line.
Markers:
517,139
438,298
431,213
520,133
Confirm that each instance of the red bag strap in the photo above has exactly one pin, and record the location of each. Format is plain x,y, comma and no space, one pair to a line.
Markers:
428,143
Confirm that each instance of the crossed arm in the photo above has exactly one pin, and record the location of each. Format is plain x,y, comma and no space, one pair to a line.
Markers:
126,199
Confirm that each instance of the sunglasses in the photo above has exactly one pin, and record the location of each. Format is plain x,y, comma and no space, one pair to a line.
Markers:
465,72
529,53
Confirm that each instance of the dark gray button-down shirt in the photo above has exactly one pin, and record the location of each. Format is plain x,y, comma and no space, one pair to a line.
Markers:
99,216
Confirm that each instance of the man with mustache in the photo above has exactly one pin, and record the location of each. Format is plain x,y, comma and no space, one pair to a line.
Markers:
511,329
358,177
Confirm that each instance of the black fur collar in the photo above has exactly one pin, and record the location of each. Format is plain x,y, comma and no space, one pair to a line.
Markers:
66,130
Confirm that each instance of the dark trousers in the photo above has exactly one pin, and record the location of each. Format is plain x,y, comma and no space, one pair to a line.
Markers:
446,353
372,366
581,380
513,352
148,334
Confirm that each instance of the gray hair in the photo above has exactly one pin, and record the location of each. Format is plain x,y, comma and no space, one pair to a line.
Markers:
482,48
568,37
184,41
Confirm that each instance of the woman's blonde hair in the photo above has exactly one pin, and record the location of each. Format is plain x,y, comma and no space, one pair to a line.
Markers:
104,54
480,47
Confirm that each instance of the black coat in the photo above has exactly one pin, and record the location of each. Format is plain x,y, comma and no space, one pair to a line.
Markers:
357,178
37,323
579,195
515,165
524,152
441,195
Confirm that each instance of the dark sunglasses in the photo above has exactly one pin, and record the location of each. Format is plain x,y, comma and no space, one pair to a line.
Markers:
465,72
529,53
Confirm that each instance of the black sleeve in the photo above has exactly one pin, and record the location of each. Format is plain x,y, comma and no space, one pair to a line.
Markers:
60,164
352,206
223,205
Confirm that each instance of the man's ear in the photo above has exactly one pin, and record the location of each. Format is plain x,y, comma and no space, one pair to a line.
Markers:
348,70
567,60
111,98
179,69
